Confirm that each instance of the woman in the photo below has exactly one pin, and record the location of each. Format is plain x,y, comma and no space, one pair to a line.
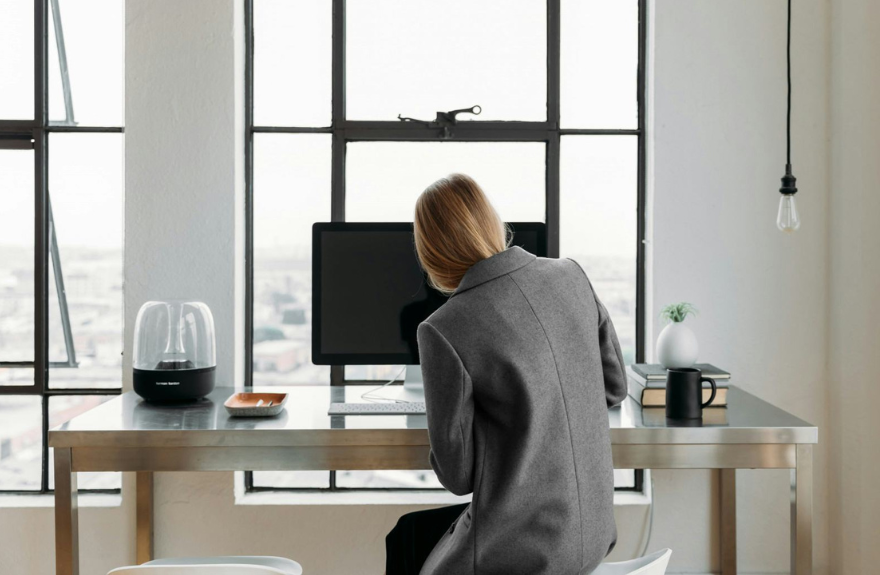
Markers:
520,367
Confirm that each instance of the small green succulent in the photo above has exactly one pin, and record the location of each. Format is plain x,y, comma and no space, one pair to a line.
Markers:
676,312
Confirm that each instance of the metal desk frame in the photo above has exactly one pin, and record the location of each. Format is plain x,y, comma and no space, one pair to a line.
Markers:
147,451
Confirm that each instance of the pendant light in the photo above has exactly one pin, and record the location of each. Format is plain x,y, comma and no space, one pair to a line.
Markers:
787,218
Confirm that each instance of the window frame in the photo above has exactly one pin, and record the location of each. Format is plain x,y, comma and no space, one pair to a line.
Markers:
344,131
34,135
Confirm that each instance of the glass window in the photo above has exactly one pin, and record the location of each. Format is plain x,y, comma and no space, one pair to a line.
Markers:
16,376
625,478
93,57
85,171
383,179
291,192
82,279
291,479
21,441
17,255
599,216
292,63
599,63
61,410
379,373
415,57
16,60
388,479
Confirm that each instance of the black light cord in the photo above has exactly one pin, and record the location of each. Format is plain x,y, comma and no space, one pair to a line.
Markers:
788,114
789,182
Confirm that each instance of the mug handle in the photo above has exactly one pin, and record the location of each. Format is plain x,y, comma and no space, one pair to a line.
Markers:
714,390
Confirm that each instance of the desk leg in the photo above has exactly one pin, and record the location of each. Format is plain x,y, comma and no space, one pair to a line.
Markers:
66,522
802,512
728,522
144,516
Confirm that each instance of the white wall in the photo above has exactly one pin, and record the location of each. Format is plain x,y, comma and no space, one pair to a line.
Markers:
719,153
717,133
853,392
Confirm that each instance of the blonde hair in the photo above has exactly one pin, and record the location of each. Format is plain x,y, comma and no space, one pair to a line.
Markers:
455,227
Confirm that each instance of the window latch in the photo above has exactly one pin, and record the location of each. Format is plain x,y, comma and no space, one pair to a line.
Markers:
445,121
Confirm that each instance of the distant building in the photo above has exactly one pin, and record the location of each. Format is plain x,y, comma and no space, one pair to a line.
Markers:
280,355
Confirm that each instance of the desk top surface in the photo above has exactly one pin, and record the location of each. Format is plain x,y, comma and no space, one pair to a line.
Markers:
128,421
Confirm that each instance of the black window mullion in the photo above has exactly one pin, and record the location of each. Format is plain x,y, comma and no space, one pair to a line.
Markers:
249,209
44,475
641,188
249,206
553,90
41,211
41,229
552,200
337,170
553,61
463,132
19,389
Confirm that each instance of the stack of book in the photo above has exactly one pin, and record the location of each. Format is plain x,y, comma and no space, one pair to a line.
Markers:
647,384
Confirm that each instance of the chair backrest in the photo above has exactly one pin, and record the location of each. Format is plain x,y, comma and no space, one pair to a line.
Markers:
196,570
653,564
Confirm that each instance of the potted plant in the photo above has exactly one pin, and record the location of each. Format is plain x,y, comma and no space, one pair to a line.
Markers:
677,345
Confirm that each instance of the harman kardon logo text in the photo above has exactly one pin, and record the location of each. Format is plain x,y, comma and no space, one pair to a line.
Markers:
167,383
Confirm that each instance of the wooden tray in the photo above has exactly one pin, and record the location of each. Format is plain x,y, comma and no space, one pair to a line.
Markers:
249,404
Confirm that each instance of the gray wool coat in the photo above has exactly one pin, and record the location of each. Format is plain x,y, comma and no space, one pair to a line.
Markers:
520,367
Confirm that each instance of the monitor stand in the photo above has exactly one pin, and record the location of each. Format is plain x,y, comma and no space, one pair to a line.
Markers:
413,388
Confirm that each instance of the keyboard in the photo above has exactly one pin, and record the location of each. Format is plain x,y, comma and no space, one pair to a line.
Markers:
402,408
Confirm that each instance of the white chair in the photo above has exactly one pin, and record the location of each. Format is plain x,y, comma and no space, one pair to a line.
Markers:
653,564
245,565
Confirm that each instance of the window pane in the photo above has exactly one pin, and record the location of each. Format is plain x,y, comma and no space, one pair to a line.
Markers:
292,63
388,479
61,410
414,57
85,176
93,44
21,445
383,179
291,192
380,373
17,255
598,208
292,479
16,376
599,63
624,478
16,60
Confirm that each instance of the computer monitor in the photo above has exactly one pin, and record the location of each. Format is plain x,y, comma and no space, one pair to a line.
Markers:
369,293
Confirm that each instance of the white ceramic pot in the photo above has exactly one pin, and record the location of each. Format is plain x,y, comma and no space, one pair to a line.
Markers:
677,346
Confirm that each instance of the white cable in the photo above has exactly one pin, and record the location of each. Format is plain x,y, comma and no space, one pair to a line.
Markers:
366,395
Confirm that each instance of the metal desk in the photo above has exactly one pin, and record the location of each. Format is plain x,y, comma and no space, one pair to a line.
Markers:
127,434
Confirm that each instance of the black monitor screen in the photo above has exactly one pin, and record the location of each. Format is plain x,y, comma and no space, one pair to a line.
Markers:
369,292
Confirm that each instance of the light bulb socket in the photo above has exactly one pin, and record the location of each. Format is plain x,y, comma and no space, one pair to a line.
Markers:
789,182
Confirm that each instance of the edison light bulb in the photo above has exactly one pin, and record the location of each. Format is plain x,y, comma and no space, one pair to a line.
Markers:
788,219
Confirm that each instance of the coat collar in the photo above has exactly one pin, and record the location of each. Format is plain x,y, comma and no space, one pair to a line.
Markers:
495,266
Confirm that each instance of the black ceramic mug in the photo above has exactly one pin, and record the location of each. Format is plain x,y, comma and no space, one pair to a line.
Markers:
684,393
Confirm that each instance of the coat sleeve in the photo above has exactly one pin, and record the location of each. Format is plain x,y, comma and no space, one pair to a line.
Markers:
612,359
613,368
450,408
